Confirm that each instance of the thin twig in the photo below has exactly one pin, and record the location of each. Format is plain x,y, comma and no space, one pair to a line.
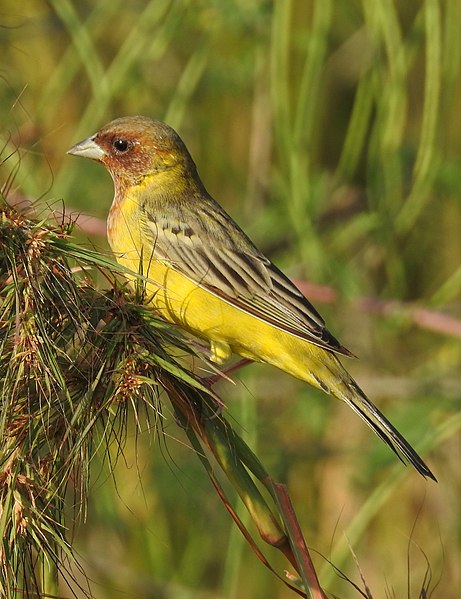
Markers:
423,318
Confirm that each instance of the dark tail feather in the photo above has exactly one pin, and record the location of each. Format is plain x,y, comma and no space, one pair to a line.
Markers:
351,393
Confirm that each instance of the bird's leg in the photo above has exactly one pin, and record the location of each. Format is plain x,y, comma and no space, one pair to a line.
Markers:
211,353
209,381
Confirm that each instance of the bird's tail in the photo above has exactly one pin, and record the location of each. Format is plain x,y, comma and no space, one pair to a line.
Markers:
345,388
322,369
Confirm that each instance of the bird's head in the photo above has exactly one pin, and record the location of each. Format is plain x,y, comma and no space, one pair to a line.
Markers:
133,147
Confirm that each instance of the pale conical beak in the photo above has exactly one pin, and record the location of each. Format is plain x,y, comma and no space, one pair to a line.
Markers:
87,148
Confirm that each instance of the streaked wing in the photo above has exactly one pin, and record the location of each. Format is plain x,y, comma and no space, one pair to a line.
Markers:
229,266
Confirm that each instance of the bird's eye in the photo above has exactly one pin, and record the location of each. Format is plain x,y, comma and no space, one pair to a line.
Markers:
121,145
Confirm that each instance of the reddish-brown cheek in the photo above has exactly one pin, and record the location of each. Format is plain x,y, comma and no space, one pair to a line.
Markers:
129,163
130,166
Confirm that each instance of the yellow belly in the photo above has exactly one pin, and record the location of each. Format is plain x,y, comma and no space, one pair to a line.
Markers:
183,302
227,329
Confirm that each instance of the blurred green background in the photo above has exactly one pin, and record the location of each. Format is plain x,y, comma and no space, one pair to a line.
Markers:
331,131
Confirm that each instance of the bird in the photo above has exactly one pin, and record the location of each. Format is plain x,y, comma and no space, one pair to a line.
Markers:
204,274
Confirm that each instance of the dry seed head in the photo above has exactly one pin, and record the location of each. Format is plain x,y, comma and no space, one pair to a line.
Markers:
15,427
21,521
36,243
26,349
129,381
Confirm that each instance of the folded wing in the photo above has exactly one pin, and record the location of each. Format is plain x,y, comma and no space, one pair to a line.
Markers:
214,253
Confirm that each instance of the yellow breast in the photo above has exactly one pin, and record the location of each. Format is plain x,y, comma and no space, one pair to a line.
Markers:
183,302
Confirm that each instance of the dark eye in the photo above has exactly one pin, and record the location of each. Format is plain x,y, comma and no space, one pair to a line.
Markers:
121,145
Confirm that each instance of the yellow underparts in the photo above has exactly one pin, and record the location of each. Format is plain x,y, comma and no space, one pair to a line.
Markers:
227,329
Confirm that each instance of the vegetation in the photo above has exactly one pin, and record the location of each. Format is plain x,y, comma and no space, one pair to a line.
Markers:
330,131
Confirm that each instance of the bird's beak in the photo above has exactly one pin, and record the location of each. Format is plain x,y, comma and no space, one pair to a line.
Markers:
87,148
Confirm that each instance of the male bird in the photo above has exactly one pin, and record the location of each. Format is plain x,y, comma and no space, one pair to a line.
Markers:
205,274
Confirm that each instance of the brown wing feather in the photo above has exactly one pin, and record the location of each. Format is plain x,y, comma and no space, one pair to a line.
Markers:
214,253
